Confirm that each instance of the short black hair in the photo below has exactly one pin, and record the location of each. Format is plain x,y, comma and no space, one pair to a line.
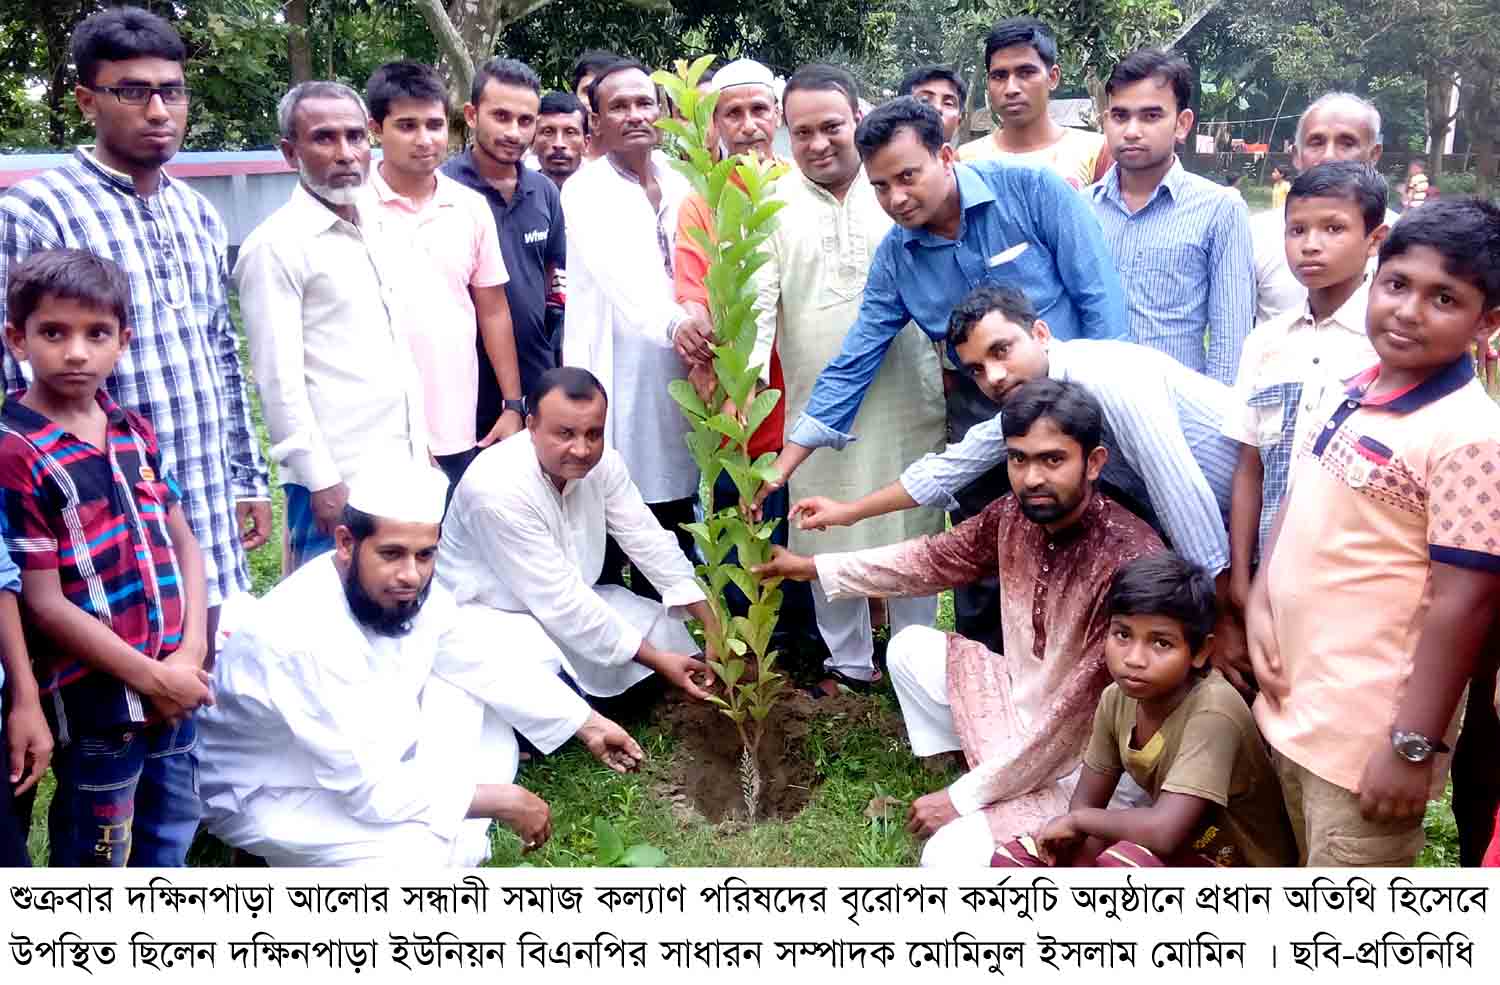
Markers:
605,71
506,71
1465,231
403,80
889,119
1165,584
1352,181
822,77
122,33
1068,405
926,73
589,62
1153,63
978,303
574,382
554,103
71,275
1015,31
360,523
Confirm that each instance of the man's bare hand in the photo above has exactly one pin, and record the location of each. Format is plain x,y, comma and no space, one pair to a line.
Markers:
610,744
1231,654
253,517
1393,789
1265,655
1059,840
683,671
509,423
693,339
518,809
930,812
29,743
820,513
785,564
176,690
328,507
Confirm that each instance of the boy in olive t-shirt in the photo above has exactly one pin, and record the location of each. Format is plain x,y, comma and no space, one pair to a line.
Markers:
1182,733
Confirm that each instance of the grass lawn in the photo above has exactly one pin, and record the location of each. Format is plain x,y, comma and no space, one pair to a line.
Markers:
865,772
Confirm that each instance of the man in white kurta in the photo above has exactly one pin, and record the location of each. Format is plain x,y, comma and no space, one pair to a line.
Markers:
808,294
360,718
523,547
622,318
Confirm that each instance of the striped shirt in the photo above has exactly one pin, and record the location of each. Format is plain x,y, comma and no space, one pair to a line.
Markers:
1187,265
1161,425
182,369
99,518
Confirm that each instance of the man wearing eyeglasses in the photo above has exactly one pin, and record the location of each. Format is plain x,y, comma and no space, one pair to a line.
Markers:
182,369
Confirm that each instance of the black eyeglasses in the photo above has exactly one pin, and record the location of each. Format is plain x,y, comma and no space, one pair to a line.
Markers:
141,95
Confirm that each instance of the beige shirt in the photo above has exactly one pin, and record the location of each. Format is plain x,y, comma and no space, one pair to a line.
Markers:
1075,155
325,309
1208,748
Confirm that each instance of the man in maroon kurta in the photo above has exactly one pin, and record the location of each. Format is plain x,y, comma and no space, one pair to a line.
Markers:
1021,718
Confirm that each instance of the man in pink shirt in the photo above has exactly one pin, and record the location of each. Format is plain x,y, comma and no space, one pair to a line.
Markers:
465,286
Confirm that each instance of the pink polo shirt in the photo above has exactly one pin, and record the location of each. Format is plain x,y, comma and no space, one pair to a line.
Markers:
1381,489
456,230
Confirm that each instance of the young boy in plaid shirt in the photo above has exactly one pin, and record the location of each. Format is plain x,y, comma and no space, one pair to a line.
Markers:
112,578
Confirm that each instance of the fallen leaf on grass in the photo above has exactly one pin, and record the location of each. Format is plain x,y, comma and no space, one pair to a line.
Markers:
879,808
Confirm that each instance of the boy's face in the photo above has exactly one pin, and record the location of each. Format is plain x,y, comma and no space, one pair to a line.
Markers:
1148,656
1421,317
71,346
413,136
1000,355
1326,242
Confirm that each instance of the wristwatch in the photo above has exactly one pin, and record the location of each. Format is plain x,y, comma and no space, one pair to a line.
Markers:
1414,747
519,406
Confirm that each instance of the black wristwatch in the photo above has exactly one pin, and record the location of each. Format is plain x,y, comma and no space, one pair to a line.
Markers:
519,406
1414,747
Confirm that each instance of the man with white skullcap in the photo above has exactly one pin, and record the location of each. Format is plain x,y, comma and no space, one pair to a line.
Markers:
362,719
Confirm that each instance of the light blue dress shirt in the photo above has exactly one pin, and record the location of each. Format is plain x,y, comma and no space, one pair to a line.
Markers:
1020,226
1162,427
1188,267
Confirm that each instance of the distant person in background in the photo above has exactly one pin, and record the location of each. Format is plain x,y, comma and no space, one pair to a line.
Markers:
1235,184
1279,188
502,112
1020,56
585,70
454,229
182,368
562,136
941,88
1181,245
1415,192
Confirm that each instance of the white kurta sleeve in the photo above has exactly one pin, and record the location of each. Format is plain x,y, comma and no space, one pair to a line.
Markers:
329,723
534,702
522,553
649,546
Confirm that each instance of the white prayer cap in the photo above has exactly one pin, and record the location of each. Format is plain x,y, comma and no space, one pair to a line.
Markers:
743,72
400,489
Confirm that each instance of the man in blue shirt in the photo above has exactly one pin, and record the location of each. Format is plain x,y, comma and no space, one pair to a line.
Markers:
1180,241
958,226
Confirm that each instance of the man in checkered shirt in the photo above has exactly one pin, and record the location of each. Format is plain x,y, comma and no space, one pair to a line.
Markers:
182,370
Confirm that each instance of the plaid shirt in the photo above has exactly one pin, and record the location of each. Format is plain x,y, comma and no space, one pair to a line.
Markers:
99,518
182,369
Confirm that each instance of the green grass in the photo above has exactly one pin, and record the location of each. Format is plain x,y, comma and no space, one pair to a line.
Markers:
856,758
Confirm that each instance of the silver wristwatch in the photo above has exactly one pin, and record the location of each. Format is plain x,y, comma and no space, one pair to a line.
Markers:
1414,747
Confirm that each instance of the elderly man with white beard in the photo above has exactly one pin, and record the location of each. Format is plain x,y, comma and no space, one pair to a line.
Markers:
328,309
362,718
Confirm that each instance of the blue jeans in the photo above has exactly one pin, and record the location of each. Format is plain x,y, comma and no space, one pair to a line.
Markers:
127,797
304,540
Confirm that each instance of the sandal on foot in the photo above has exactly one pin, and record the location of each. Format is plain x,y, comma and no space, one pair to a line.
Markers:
842,682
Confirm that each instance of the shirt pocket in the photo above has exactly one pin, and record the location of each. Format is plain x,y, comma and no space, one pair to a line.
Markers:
1275,409
1167,283
1031,272
152,502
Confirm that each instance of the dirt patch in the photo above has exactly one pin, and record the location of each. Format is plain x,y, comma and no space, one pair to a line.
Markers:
706,773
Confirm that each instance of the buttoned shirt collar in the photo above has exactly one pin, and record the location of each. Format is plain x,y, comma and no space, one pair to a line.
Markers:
121,180
1349,316
313,217
972,194
1449,379
442,196
1170,185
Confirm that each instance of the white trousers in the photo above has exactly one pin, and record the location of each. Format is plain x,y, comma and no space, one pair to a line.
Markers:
525,635
918,660
845,627
310,827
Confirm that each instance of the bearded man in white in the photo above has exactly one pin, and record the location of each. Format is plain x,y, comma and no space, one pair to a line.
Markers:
523,548
360,718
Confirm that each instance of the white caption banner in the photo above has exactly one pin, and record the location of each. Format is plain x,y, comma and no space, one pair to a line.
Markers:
640,925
